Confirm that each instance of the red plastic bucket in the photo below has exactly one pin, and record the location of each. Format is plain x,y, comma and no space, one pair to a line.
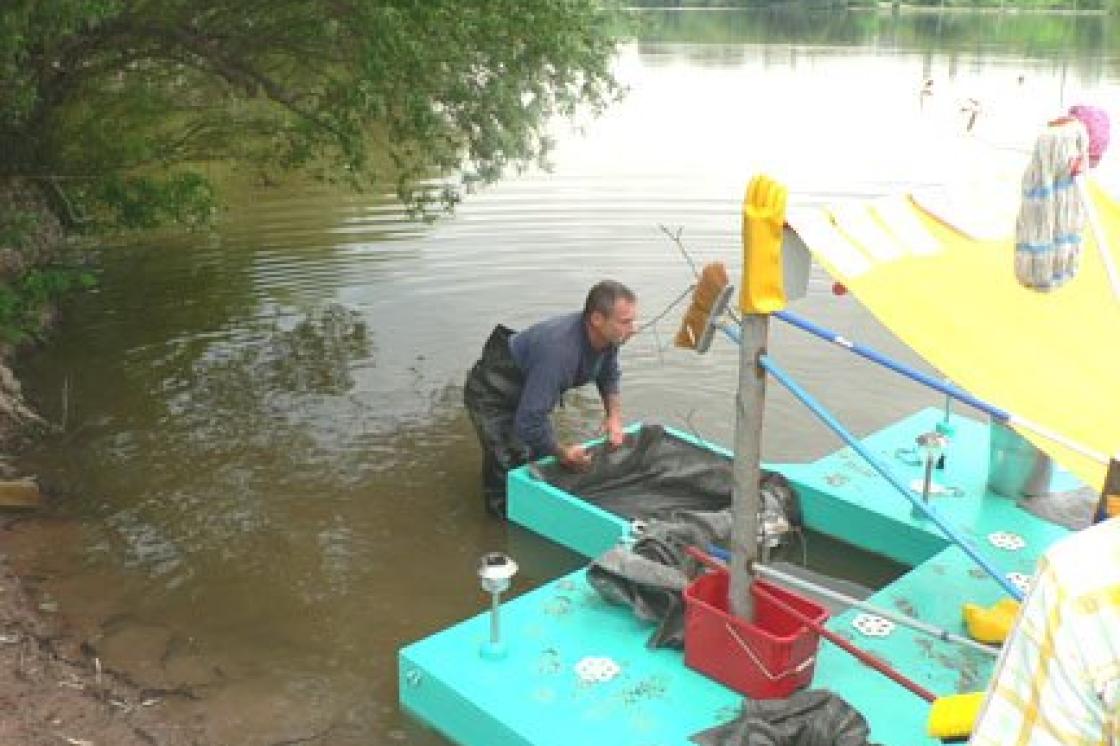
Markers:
768,658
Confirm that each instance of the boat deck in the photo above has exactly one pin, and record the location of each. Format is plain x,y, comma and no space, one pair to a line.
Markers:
533,694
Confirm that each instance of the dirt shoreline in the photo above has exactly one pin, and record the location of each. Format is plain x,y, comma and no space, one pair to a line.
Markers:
53,689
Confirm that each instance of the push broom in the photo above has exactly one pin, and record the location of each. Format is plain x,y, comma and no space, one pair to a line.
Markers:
709,302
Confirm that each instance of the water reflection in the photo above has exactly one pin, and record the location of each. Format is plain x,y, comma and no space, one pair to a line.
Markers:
272,477
1085,40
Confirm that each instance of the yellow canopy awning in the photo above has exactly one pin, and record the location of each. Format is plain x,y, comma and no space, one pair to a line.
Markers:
940,275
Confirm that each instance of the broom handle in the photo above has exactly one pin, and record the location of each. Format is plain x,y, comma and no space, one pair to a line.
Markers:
1098,234
860,655
875,356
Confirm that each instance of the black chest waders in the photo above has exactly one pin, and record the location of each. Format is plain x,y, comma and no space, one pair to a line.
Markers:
491,396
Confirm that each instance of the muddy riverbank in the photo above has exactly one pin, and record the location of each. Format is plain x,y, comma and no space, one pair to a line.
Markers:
54,689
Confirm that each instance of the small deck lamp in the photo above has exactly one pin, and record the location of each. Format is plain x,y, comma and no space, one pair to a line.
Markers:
495,571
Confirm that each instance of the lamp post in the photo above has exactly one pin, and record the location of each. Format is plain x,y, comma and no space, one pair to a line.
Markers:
495,571
932,445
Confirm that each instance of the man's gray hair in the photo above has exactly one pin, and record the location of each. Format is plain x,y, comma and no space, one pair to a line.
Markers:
603,295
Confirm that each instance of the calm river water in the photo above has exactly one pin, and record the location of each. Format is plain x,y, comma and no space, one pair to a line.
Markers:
270,483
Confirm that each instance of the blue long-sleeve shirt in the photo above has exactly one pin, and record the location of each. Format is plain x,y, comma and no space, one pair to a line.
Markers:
556,355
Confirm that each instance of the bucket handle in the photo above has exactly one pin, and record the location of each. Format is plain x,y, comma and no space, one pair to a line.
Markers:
762,666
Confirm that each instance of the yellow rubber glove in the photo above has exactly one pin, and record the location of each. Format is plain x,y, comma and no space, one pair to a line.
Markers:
764,218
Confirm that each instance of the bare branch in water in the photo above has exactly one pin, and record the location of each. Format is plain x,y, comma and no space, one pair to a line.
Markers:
676,239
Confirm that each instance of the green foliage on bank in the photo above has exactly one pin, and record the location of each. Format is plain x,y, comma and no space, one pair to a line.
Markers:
16,226
32,280
25,300
114,107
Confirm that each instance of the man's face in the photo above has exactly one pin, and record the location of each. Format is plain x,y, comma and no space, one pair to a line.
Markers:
619,326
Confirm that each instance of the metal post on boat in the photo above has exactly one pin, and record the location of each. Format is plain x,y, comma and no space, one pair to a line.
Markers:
761,293
746,500
946,427
495,571
926,479
932,445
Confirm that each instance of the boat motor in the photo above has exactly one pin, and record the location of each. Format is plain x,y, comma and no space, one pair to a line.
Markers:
778,514
772,528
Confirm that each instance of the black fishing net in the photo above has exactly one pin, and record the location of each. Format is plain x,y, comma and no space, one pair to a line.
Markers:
650,575
812,717
680,492
656,474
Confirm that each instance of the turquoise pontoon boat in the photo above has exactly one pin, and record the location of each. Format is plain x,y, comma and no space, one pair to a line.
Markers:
563,665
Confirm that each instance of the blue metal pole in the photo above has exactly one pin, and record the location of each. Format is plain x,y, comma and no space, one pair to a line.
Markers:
841,341
997,414
770,366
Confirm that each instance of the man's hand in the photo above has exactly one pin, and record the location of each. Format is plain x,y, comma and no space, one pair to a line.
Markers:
574,457
612,430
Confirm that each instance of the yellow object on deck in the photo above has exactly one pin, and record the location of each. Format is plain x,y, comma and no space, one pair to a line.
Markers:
764,216
991,624
938,271
953,716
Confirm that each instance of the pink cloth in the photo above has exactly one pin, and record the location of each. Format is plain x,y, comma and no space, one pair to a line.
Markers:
1096,123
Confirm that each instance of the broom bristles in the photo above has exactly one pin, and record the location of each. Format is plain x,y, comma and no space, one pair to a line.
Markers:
713,279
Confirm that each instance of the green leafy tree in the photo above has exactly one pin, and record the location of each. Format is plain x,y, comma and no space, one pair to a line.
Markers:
113,106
